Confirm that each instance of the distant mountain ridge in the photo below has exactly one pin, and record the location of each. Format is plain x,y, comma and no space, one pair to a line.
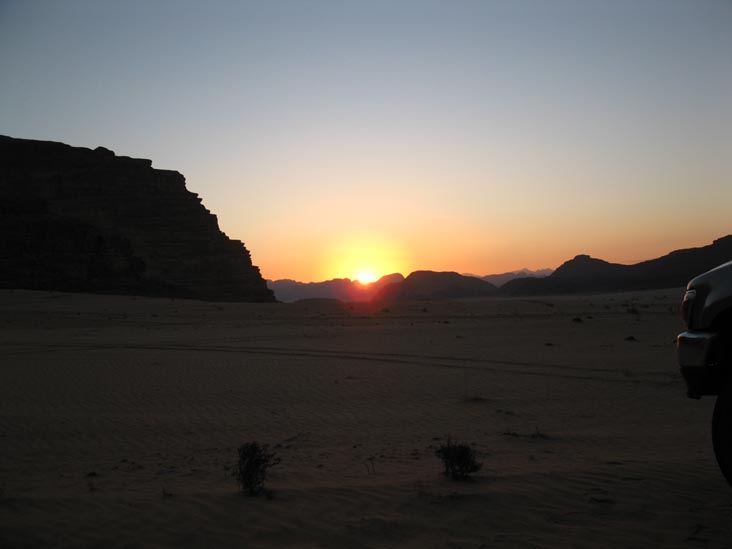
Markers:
344,289
502,278
588,274
422,285
581,274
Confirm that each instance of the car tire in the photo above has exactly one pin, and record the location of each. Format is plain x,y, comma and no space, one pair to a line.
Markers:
722,431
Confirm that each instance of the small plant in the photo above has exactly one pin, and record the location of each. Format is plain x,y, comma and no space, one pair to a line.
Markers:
458,459
254,460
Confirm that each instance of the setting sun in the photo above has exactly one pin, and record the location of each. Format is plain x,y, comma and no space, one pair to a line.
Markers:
366,277
363,257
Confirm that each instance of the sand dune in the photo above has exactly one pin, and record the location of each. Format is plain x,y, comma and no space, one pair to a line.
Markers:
120,418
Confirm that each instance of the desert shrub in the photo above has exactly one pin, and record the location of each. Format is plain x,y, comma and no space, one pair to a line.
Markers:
458,459
251,472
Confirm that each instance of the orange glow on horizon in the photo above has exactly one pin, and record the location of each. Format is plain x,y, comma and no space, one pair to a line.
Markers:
449,245
363,258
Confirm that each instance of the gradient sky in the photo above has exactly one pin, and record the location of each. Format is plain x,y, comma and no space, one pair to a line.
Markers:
340,137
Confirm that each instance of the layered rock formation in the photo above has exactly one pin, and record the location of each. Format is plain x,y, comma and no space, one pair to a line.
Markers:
74,219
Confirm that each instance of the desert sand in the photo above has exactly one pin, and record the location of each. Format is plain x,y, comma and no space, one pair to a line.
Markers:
120,418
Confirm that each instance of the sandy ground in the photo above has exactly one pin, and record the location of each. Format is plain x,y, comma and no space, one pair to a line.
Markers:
120,418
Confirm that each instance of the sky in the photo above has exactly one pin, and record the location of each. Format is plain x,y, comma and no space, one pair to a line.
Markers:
356,139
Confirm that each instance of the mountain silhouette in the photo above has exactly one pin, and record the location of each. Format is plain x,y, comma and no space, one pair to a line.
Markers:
578,275
425,285
588,274
343,289
502,278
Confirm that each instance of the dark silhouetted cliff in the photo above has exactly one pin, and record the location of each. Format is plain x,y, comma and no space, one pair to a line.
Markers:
77,219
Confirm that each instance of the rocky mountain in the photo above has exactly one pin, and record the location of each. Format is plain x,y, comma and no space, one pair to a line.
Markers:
76,219
424,285
343,289
502,278
588,274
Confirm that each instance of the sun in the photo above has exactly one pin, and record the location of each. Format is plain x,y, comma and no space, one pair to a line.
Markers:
366,277
364,259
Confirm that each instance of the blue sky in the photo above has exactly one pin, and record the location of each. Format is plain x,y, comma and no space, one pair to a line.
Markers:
333,137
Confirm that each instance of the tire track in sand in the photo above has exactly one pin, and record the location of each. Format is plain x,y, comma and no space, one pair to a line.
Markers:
501,366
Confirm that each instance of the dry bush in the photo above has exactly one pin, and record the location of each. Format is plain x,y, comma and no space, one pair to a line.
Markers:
251,472
458,459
